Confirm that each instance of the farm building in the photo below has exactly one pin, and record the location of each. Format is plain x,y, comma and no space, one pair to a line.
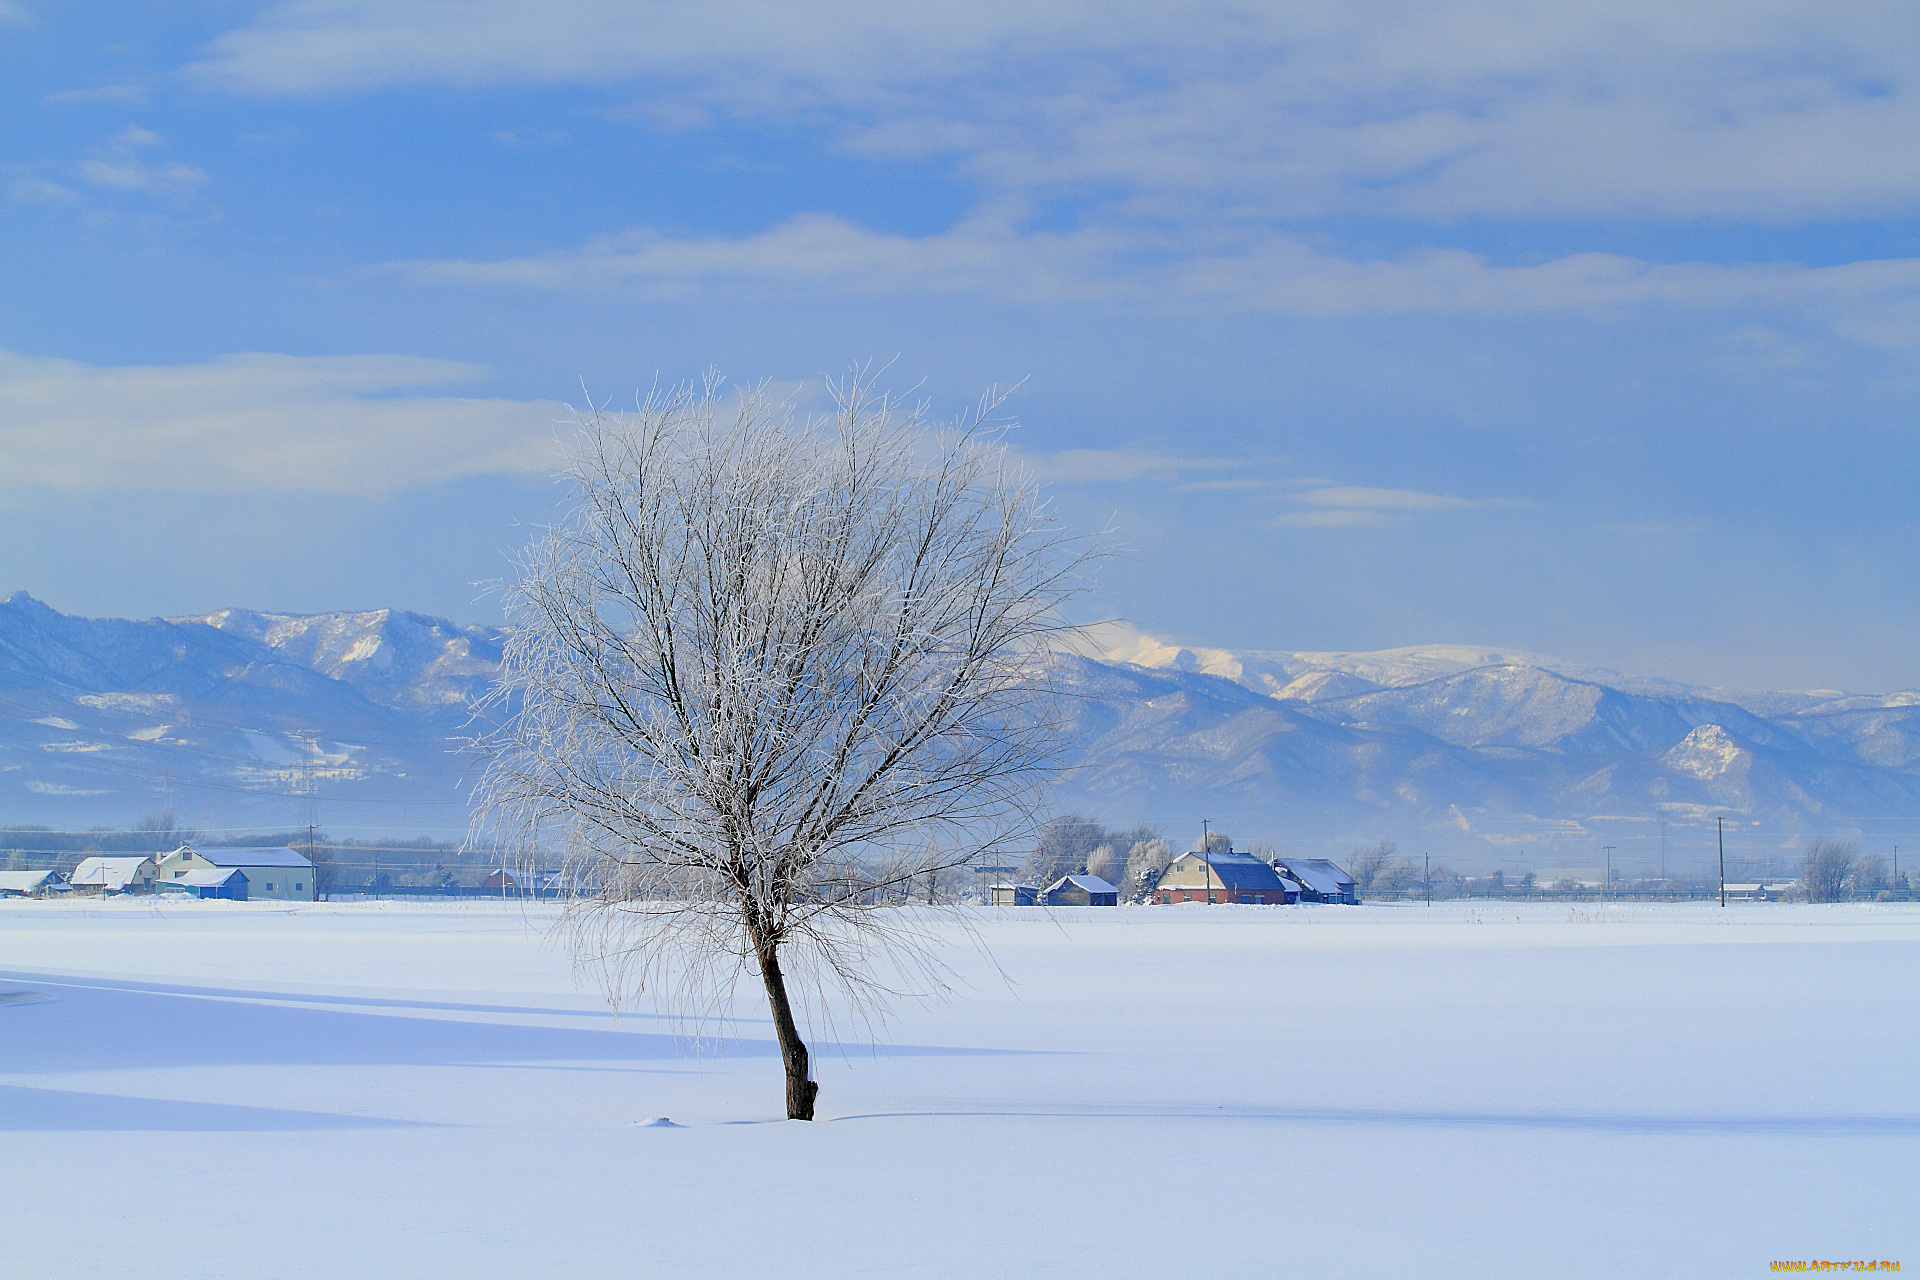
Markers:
1223,877
30,884
1081,891
1320,880
230,883
271,873
1015,895
102,874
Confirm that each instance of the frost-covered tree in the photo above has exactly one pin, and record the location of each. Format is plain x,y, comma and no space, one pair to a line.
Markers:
764,678
1063,847
1402,876
1105,861
1829,864
1365,865
1867,877
1147,861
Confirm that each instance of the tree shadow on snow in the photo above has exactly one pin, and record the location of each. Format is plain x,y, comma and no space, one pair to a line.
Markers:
1809,1126
24,1110
98,1025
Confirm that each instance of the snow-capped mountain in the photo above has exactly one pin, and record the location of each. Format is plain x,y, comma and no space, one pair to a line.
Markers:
240,713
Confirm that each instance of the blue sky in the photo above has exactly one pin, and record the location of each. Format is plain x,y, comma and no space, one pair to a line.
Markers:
1593,333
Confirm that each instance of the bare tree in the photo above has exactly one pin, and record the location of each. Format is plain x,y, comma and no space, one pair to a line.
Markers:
1828,866
767,675
1366,864
1867,877
1062,849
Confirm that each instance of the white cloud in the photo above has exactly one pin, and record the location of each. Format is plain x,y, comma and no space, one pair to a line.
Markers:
1387,499
250,423
1354,506
131,94
1274,272
1772,110
1323,519
1083,466
1195,486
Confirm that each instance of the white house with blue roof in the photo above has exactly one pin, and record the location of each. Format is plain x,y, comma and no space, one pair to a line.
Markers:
270,873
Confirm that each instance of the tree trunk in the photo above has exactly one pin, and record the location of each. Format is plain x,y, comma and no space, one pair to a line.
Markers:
793,1050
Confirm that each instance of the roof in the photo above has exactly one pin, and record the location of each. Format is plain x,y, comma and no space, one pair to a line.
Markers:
27,881
206,879
1241,872
108,871
281,857
1319,875
1092,884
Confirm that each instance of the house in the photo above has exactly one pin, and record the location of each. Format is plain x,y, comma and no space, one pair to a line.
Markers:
1222,877
126,874
1015,895
1320,880
1081,891
230,883
508,880
271,873
30,884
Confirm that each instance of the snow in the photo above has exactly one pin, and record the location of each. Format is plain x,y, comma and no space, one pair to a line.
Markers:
422,1090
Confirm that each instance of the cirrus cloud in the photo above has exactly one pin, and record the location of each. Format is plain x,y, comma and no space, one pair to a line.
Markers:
260,422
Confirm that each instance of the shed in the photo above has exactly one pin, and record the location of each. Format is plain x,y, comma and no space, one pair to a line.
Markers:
230,884
114,874
1015,895
1081,891
506,878
1222,876
30,884
1320,880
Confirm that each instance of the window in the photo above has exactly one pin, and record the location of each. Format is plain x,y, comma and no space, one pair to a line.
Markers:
298,887
272,885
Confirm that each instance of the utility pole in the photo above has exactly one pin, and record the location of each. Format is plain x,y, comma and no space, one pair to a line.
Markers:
1206,857
1606,889
1720,834
1426,875
1663,853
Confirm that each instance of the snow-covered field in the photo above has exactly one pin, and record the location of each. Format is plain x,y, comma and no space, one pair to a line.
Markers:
379,1090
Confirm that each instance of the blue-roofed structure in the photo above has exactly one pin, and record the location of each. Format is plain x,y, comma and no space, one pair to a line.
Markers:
1320,880
229,883
1223,876
1081,891
277,872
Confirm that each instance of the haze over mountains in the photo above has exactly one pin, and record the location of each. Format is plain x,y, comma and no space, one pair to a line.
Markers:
241,712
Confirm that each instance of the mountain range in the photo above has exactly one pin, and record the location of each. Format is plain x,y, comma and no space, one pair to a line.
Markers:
236,718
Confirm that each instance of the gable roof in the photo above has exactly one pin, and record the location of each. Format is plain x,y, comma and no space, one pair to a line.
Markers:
1241,872
112,872
1319,875
27,881
281,857
1092,884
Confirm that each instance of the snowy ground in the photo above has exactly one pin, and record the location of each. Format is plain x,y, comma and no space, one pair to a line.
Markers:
379,1090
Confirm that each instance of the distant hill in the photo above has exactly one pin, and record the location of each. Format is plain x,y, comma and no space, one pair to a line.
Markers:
242,711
